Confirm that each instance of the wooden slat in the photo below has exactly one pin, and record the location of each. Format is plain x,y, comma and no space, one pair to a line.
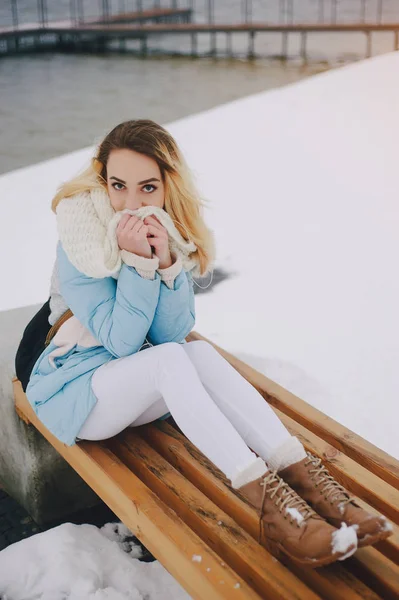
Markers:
373,494
349,473
389,547
366,454
165,535
185,457
338,582
380,573
252,562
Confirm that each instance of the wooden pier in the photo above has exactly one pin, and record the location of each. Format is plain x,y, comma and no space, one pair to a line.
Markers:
99,34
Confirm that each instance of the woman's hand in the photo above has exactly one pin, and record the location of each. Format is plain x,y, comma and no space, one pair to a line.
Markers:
158,238
131,234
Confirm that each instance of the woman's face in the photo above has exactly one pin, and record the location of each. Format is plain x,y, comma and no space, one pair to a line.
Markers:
133,180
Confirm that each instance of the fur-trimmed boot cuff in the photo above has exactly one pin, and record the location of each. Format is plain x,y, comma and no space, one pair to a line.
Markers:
287,454
253,471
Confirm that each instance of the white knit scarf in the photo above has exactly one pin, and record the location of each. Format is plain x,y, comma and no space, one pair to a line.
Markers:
87,230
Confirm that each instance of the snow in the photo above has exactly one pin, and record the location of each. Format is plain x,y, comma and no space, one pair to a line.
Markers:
302,183
387,526
342,539
312,169
295,514
197,558
82,562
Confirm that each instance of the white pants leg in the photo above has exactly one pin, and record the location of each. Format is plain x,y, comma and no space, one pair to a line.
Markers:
244,407
162,379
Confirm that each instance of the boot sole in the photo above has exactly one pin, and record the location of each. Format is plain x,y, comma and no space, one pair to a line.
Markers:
369,540
277,551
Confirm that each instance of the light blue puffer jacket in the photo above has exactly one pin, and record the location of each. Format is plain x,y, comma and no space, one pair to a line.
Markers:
121,314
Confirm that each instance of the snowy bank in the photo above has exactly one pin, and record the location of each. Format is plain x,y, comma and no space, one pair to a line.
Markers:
81,562
303,190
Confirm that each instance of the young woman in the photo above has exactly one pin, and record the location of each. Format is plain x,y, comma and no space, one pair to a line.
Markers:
122,303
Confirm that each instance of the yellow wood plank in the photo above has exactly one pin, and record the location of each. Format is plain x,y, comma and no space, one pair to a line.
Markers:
374,459
186,458
235,547
159,528
389,547
349,473
379,572
341,583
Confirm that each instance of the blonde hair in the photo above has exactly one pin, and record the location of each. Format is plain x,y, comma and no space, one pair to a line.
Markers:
182,201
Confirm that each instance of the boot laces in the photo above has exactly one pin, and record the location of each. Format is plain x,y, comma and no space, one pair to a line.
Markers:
333,491
285,497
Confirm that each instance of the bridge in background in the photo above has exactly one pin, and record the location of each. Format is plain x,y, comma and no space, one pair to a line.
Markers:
109,31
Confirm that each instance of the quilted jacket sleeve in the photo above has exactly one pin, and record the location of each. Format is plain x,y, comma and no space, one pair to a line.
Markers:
175,313
118,313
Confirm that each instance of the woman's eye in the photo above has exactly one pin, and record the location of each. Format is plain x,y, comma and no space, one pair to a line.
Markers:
149,185
118,189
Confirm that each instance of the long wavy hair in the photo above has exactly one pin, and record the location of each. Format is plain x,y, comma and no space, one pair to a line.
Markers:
182,201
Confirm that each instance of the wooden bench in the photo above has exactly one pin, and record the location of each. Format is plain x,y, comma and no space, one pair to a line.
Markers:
183,510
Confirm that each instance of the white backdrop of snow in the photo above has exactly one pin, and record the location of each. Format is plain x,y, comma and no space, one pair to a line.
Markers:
302,183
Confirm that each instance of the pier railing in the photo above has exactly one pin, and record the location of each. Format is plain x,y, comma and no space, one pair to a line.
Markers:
99,25
14,13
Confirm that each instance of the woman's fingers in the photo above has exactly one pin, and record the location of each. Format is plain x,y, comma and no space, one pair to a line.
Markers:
140,228
133,223
149,228
127,222
155,242
154,222
122,222
163,234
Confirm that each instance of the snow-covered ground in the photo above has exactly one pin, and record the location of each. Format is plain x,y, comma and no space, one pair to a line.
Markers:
304,202
82,562
303,187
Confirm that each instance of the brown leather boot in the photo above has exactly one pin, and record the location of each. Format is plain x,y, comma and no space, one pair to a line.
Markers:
311,480
287,524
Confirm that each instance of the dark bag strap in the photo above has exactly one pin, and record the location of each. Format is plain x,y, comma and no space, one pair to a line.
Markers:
67,315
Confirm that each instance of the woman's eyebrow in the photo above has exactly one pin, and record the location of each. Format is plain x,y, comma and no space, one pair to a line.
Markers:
148,180
117,179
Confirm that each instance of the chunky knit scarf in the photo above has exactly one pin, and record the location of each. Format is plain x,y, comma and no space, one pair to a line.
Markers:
87,230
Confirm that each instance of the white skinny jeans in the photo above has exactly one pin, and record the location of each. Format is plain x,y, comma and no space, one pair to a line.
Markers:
214,406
